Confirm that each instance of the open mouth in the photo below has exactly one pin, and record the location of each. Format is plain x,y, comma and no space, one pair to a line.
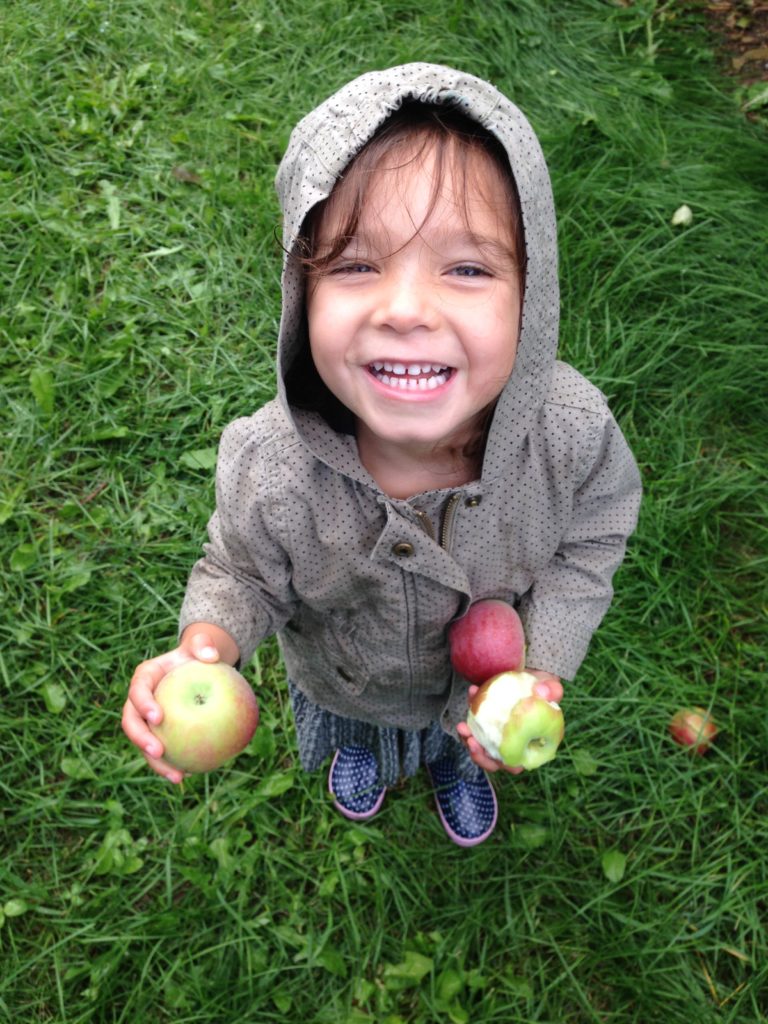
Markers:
411,376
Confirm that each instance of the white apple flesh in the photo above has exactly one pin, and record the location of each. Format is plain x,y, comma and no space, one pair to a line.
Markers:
210,714
512,724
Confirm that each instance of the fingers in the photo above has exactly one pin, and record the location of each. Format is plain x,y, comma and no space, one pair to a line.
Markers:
478,753
141,690
135,728
548,687
202,647
549,691
166,770
481,757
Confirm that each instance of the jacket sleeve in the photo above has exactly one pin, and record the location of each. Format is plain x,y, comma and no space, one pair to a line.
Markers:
570,596
243,581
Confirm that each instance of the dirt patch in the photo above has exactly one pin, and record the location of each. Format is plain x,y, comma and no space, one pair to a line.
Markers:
739,34
742,28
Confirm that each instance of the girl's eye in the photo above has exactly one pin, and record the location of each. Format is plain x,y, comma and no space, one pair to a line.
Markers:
352,268
470,270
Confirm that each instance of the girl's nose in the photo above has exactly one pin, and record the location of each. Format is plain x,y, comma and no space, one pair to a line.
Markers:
404,303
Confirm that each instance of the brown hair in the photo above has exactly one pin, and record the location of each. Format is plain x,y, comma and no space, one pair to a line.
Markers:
410,133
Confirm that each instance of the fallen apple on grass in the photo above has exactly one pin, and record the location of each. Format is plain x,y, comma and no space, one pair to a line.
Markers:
694,728
514,725
209,715
488,640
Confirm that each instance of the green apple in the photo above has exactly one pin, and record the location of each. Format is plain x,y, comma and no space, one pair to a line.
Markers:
514,725
209,714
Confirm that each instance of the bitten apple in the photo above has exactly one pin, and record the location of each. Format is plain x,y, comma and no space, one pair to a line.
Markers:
486,641
513,724
693,728
209,714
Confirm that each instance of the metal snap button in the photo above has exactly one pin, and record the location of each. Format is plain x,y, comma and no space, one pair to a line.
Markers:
402,549
474,501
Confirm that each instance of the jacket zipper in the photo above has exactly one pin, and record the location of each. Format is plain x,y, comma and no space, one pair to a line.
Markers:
450,510
445,527
428,527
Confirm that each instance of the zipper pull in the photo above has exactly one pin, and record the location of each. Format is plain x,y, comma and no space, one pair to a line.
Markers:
426,523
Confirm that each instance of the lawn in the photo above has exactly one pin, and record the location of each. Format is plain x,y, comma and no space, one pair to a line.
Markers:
139,275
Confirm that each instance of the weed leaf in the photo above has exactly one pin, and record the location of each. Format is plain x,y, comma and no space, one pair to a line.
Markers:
43,389
614,865
202,458
55,698
410,972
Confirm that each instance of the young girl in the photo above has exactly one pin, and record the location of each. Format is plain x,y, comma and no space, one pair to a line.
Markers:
425,450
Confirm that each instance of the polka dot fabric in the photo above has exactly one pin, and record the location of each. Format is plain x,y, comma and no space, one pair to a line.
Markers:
360,587
354,783
468,810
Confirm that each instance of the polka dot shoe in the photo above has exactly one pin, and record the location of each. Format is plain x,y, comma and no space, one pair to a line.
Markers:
353,783
468,810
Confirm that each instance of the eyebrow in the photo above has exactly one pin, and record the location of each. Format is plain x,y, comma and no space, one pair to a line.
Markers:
438,241
472,239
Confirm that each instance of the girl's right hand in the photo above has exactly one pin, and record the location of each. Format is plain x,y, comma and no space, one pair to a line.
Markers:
141,707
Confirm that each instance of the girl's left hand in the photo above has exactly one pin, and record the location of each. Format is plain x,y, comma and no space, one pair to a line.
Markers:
548,687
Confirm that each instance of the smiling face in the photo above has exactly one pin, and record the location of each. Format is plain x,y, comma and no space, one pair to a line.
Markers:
413,323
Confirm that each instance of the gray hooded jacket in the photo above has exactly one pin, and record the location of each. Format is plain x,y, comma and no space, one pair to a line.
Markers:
360,587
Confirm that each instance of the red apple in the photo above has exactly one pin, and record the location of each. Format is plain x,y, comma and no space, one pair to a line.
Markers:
694,728
209,714
514,725
487,640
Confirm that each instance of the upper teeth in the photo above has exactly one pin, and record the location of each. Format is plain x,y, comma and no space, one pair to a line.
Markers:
413,369
414,377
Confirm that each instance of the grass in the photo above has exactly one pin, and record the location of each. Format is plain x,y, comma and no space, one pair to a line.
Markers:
626,882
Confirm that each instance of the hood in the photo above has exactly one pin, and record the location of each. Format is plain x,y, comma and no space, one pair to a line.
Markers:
320,147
